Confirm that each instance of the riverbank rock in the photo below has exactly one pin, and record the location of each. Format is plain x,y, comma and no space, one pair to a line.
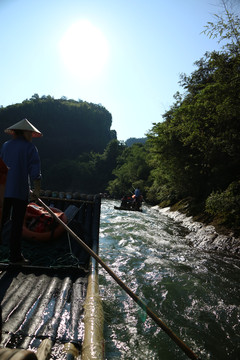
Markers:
203,236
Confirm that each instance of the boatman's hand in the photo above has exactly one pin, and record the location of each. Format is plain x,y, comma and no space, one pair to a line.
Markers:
35,193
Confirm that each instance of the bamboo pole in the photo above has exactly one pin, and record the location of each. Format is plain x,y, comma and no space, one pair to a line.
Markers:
44,350
71,350
154,317
93,343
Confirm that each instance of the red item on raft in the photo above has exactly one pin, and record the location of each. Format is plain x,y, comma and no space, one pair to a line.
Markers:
39,225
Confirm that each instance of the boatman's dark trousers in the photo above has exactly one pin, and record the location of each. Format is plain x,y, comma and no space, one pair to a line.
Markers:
14,209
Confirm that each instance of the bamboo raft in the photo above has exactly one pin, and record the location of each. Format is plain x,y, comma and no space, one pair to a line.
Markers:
51,308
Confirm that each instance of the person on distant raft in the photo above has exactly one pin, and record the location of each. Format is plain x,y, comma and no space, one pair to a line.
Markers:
137,199
23,162
137,192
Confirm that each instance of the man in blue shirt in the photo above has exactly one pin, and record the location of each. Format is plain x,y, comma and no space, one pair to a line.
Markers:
137,199
23,162
137,192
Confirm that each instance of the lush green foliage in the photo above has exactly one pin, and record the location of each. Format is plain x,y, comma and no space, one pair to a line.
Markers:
194,152
197,148
226,205
132,171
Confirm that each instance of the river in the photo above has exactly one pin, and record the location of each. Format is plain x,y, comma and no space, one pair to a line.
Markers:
193,291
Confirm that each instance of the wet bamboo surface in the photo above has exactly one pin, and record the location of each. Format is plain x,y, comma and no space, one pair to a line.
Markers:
41,304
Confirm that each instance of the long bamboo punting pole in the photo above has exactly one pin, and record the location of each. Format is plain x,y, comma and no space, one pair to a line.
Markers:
155,318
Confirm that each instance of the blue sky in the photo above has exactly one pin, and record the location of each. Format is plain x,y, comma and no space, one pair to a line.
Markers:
147,45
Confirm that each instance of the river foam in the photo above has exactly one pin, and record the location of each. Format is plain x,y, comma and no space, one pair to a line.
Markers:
203,236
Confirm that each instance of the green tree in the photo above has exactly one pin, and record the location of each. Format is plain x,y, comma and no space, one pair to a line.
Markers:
132,170
104,164
226,29
196,149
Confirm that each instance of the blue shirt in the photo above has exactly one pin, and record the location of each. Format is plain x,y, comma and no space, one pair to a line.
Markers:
137,192
22,159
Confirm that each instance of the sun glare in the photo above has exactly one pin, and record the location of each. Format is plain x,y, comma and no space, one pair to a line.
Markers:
84,50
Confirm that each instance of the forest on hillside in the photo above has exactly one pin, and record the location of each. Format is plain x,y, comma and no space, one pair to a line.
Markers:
192,156
132,140
72,130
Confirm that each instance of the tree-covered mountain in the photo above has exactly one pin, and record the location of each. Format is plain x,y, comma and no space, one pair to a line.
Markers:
69,127
70,130
131,141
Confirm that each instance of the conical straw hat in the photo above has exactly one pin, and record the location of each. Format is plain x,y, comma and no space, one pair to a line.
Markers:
24,125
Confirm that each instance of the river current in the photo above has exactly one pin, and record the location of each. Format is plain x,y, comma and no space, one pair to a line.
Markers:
193,291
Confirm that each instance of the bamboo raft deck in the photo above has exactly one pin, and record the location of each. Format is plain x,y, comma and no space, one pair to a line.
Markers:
52,307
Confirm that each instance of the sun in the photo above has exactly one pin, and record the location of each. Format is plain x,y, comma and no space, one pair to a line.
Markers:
84,50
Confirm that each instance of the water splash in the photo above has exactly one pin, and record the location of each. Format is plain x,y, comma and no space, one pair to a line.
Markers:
196,293
201,236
